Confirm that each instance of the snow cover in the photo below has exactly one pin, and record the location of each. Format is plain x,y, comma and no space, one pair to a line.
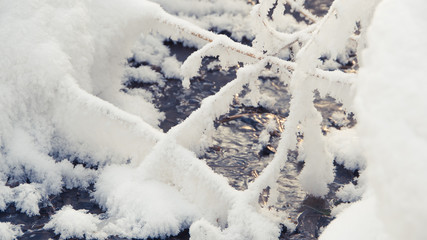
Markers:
150,49
392,102
69,223
58,97
346,147
9,231
62,108
65,121
219,15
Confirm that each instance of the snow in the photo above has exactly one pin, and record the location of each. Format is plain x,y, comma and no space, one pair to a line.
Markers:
66,121
391,103
171,67
144,74
48,108
394,116
9,231
345,145
69,223
229,15
61,96
355,223
351,192
6,195
202,230
195,132
27,198
150,49
318,171
153,209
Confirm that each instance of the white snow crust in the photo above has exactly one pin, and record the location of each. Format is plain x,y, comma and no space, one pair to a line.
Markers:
9,231
58,98
69,223
391,103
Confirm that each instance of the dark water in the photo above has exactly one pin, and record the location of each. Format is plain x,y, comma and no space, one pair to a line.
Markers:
33,226
318,7
236,153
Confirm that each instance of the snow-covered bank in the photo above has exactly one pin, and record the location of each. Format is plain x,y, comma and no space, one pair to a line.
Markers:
392,105
59,96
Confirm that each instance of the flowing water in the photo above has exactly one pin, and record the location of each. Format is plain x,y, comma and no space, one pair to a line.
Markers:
236,152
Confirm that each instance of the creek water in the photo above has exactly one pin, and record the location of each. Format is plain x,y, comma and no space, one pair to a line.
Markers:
236,152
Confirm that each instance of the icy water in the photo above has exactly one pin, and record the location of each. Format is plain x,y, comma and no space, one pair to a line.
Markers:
235,154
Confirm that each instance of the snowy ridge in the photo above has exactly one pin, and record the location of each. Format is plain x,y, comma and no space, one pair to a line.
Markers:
391,100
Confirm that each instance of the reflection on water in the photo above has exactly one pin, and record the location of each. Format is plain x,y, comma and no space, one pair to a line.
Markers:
237,153
318,7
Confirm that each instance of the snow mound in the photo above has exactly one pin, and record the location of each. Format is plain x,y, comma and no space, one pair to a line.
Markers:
69,223
60,96
392,106
9,231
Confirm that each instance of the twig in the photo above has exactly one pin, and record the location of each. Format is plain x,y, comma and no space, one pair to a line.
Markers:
301,9
239,48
